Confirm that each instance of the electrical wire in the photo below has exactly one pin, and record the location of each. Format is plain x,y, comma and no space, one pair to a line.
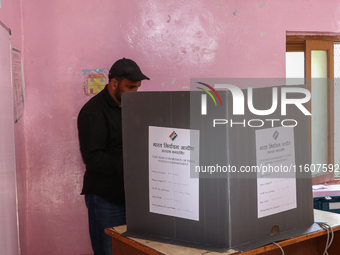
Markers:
330,237
329,242
283,253
330,231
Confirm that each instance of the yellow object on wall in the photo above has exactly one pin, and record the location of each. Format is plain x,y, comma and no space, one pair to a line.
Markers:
96,83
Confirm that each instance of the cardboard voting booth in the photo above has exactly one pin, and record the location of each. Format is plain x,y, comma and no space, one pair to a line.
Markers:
192,176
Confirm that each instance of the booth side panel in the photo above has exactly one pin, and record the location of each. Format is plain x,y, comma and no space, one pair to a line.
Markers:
246,226
171,109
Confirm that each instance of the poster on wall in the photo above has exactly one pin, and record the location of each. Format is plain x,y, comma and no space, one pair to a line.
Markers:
171,190
276,179
94,80
18,85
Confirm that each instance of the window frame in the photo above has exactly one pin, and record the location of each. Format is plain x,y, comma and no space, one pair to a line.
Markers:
306,43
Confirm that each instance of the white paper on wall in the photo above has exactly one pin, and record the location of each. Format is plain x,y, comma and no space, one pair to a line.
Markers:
9,242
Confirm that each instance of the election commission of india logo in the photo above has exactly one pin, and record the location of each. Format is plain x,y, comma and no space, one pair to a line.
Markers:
173,136
276,134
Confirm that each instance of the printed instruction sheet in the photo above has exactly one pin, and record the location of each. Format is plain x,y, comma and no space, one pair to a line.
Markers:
171,190
276,177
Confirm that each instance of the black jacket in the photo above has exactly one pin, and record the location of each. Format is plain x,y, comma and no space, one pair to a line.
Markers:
100,138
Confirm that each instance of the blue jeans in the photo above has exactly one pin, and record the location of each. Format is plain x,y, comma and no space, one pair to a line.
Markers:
103,214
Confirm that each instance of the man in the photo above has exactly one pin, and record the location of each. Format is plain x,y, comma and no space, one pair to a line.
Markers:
100,138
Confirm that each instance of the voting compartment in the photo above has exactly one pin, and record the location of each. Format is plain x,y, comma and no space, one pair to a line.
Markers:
189,168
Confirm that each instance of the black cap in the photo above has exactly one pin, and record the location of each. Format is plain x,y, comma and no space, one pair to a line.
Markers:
128,69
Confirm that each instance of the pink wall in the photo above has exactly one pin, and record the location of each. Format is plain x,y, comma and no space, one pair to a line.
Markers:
172,41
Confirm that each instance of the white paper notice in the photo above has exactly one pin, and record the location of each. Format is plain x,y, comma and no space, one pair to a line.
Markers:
171,190
275,154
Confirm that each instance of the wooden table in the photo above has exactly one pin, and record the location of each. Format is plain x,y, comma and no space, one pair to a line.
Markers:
309,244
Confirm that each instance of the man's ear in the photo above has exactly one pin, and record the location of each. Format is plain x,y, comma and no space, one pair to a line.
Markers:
113,83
